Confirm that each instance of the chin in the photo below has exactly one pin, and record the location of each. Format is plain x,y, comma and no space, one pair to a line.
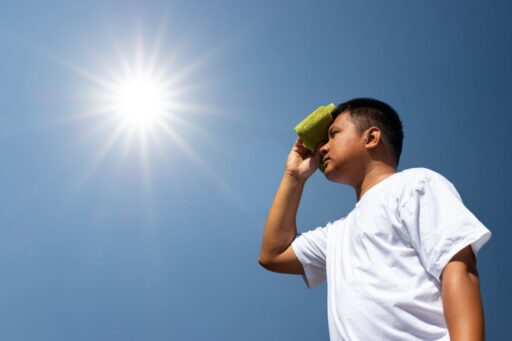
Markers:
329,175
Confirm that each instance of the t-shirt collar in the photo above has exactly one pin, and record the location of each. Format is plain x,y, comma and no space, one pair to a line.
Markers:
374,188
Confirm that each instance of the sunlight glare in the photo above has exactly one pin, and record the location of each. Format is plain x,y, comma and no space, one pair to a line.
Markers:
140,101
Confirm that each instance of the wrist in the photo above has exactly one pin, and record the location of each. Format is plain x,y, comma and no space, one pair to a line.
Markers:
294,178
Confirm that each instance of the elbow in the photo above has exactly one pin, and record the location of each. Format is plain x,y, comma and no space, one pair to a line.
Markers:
265,262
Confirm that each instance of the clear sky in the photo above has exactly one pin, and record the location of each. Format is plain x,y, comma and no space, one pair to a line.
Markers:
153,234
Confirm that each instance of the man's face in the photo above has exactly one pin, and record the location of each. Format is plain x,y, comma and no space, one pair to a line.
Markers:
344,152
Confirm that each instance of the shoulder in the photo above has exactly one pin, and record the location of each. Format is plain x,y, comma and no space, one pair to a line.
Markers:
335,224
324,230
419,174
415,181
419,177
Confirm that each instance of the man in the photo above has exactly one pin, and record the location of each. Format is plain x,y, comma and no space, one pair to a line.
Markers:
401,265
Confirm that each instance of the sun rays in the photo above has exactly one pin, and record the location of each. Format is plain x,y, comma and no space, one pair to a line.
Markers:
140,105
137,103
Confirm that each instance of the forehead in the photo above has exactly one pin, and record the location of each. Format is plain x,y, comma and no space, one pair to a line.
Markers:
342,120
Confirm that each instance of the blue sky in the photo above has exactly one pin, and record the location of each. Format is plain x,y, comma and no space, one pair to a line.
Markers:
102,238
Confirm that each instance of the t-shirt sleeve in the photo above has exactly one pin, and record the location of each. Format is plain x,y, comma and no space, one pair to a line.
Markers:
310,249
439,224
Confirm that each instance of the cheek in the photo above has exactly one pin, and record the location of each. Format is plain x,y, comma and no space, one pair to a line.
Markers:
344,148
340,146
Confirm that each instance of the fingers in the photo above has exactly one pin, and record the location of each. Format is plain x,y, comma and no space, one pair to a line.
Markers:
299,143
316,156
300,148
302,161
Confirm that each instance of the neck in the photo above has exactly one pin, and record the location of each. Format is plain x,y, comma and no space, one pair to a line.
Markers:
373,175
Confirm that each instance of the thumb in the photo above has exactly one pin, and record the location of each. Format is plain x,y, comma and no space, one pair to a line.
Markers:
315,158
317,155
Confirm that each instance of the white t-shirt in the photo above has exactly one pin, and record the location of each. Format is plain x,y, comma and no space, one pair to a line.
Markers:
382,262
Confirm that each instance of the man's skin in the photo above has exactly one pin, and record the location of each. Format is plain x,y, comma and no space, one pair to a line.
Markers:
361,160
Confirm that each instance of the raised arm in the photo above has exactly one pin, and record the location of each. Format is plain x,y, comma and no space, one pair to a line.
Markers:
461,298
280,229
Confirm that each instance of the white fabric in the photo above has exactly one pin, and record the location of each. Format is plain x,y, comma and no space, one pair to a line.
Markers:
382,261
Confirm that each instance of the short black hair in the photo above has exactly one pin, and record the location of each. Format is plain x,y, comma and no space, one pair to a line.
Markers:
369,112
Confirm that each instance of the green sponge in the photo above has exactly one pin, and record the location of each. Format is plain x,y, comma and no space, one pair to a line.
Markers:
313,129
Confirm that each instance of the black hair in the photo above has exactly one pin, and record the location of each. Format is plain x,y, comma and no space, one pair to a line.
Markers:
369,112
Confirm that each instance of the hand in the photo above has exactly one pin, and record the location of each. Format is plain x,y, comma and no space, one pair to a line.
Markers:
301,162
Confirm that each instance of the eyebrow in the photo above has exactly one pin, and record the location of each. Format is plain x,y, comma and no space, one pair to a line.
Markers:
331,128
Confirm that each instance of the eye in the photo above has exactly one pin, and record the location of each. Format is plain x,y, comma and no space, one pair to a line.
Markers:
333,132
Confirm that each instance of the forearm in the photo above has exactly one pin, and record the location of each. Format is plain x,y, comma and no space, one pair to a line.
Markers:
280,228
462,303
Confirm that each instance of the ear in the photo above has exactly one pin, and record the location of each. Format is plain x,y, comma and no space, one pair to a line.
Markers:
373,136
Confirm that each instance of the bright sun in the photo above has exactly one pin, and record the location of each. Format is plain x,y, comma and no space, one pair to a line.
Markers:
140,101
141,105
